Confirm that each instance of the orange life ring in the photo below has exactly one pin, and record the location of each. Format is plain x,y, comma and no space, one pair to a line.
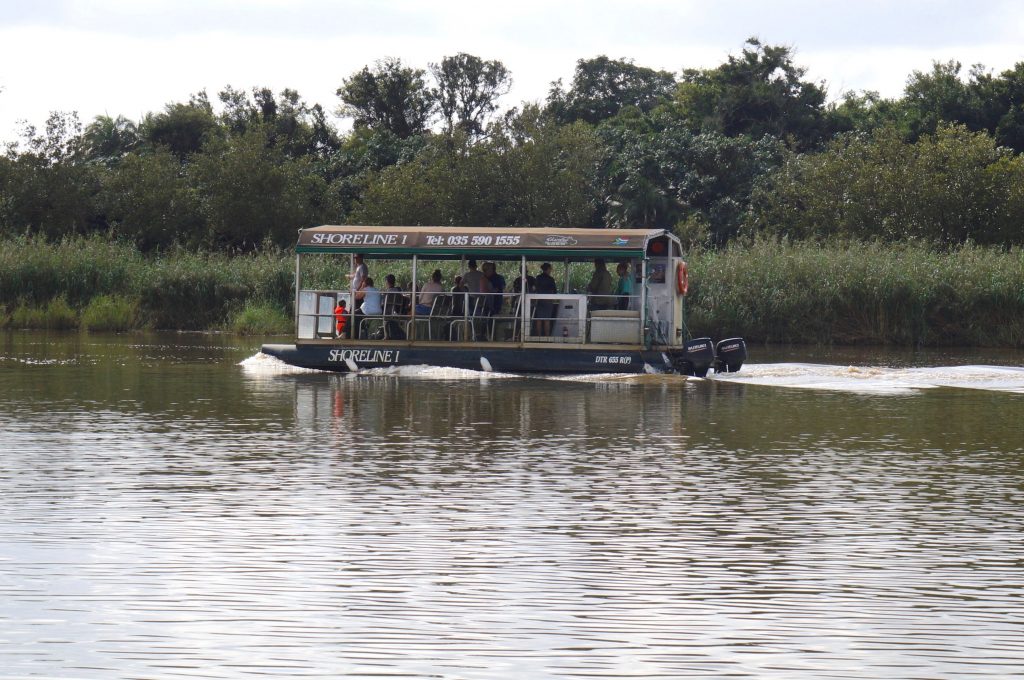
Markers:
682,278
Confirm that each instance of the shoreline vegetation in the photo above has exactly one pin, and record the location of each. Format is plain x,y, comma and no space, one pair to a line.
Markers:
835,292
811,216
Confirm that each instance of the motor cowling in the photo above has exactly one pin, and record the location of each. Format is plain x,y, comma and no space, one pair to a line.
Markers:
698,357
730,355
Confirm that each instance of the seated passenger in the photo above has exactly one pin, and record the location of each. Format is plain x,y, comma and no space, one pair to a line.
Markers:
394,304
429,292
371,306
371,299
459,291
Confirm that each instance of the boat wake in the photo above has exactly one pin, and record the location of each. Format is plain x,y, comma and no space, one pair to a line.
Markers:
264,365
879,379
855,379
424,372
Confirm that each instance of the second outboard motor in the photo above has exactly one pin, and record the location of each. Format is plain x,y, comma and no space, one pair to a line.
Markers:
698,356
730,355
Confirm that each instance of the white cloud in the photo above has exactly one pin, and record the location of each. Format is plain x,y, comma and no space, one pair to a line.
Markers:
129,57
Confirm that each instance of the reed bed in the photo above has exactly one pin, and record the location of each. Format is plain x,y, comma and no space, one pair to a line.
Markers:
770,291
860,293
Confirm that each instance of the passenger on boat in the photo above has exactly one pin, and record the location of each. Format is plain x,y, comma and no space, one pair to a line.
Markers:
428,292
497,283
544,312
479,305
471,279
531,284
341,317
624,285
371,305
459,291
600,286
359,274
394,303
391,287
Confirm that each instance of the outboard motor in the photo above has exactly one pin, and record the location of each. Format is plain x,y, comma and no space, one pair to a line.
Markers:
730,355
698,357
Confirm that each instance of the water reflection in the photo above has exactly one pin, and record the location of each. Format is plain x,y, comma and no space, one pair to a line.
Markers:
165,513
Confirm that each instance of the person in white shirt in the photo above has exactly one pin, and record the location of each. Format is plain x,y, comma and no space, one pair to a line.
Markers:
359,274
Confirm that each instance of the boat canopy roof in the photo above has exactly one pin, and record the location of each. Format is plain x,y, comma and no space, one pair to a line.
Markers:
494,242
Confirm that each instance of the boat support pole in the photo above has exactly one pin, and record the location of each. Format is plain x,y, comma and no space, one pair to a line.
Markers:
298,287
412,305
643,302
524,309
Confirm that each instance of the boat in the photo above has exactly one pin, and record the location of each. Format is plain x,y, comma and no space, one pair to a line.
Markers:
549,325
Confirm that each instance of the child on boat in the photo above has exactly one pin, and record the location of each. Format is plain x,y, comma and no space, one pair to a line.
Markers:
341,317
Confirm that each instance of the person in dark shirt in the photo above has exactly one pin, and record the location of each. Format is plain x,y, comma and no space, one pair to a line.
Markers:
459,291
497,284
544,312
600,286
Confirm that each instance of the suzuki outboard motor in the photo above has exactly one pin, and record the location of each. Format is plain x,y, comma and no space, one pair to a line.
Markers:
698,357
730,355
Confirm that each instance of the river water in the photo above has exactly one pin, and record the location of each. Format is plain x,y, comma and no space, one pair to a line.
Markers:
179,506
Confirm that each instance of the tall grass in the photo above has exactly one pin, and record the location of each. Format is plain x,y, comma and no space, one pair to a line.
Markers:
261,318
54,315
907,294
110,313
770,291
176,290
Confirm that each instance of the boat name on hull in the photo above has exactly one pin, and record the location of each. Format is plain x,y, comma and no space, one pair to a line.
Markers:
371,356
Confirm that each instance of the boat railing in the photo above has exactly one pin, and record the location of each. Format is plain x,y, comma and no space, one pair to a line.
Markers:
478,317
315,317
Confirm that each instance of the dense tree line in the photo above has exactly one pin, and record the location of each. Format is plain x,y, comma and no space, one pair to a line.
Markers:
749,146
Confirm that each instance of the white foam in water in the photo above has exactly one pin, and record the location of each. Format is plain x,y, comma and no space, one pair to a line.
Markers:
424,372
880,379
261,364
858,379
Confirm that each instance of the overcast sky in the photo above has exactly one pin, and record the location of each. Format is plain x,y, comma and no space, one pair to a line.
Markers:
133,56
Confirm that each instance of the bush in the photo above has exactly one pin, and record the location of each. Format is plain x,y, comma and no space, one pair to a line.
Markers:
110,313
55,315
261,318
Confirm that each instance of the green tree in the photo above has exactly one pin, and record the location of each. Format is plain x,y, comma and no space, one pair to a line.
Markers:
467,91
529,172
950,187
761,92
1009,92
181,128
250,191
108,139
48,187
390,97
940,96
147,198
660,173
601,87
300,130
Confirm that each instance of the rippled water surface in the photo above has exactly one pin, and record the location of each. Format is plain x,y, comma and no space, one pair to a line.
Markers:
174,506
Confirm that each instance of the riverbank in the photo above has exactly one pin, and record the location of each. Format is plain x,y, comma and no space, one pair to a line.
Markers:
841,293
